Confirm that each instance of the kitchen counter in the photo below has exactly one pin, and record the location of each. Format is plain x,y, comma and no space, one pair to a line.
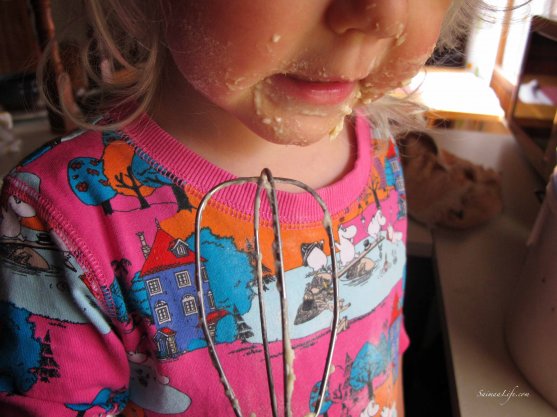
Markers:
476,272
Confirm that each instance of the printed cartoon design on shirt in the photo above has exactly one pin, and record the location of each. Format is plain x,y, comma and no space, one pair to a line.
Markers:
169,274
145,308
35,266
268,278
360,381
17,366
389,173
25,240
152,391
319,291
35,258
171,287
119,172
164,293
42,361
105,399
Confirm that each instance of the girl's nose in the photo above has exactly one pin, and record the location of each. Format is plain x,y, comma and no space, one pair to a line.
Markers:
381,18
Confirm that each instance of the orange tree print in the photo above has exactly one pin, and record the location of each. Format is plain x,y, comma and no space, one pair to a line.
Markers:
118,156
119,171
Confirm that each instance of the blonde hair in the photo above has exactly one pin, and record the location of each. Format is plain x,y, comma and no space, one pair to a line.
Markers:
129,36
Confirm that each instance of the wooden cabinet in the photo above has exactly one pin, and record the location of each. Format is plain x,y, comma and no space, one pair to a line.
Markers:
19,50
533,116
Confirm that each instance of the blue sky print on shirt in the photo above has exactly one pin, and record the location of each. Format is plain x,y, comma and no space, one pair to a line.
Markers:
16,366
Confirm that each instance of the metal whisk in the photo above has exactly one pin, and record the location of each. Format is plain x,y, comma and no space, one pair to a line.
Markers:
267,182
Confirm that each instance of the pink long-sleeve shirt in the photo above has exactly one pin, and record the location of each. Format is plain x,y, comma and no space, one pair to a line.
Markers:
99,304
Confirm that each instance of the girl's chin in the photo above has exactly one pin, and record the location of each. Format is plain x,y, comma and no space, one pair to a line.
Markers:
291,122
297,130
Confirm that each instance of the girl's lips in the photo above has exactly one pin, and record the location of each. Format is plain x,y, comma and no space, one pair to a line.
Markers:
313,92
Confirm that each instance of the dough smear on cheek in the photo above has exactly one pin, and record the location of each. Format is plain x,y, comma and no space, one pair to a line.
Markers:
274,121
390,76
234,84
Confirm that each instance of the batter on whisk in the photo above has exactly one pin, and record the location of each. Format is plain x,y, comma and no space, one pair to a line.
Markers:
99,297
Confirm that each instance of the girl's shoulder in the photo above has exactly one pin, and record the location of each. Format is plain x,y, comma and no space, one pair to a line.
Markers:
54,164
44,164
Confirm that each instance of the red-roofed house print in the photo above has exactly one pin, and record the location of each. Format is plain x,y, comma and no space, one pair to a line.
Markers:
169,277
393,170
394,178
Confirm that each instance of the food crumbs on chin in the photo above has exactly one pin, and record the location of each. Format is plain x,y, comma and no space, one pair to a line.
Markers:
370,94
333,134
313,112
323,72
276,38
257,100
400,30
400,40
234,85
274,122
346,110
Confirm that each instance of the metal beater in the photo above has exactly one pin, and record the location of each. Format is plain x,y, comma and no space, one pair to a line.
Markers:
267,182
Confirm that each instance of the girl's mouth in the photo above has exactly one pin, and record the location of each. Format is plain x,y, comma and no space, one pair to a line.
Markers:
313,92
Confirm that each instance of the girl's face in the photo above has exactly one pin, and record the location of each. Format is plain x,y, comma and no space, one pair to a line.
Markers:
291,70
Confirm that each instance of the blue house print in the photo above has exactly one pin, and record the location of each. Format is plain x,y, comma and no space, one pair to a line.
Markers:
393,170
169,277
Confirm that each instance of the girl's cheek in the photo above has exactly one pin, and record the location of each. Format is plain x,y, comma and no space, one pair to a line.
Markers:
211,76
216,69
396,72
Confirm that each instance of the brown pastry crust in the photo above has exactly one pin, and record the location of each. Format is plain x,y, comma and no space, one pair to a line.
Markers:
445,190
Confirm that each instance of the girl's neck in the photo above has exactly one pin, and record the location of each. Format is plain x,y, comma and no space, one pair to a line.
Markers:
226,142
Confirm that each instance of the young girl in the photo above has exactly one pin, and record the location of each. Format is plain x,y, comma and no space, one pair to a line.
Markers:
99,304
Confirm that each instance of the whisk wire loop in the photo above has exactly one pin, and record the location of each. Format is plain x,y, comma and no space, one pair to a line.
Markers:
257,246
267,182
